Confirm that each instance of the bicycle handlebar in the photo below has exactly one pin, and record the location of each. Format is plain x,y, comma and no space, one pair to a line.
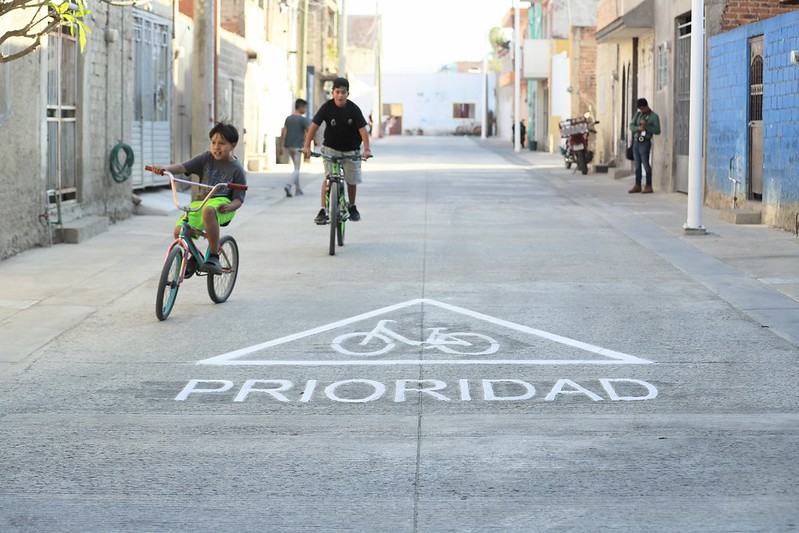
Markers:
214,188
337,158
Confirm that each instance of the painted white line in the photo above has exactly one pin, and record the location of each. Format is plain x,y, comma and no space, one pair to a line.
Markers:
406,362
234,357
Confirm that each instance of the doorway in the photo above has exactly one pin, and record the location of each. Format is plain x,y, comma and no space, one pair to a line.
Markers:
756,118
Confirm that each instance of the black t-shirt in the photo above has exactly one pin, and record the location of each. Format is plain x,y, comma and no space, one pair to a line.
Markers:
342,124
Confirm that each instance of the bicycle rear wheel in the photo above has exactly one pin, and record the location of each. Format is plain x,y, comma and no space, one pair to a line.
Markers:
333,209
221,285
169,283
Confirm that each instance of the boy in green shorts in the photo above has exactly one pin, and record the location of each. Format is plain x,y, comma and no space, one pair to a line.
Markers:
218,165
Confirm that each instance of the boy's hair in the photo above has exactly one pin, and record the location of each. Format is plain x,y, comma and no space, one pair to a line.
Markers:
228,131
299,102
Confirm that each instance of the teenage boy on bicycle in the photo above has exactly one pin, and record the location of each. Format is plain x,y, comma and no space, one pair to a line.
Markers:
344,132
218,165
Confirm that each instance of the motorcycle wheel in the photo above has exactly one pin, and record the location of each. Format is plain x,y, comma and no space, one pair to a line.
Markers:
581,163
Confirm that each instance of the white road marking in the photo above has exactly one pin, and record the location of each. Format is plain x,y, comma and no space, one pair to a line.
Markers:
613,357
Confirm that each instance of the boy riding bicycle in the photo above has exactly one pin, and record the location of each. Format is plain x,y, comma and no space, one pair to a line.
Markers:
218,165
344,132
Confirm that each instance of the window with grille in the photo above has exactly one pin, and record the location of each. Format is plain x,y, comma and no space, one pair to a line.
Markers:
462,110
5,80
62,96
662,66
756,88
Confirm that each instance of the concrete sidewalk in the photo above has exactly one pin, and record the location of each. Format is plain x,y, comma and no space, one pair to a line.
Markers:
754,268
45,292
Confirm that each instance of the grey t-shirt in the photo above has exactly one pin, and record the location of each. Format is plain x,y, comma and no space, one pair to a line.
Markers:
212,172
295,130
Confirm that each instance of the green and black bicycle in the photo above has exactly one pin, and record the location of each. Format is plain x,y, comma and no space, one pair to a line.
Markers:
336,206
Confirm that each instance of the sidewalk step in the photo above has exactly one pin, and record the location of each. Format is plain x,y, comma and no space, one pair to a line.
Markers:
618,173
740,216
82,229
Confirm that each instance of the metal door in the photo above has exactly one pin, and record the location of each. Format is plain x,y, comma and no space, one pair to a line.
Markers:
152,97
62,117
682,103
756,118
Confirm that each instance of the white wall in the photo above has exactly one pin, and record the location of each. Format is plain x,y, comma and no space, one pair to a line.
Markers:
426,99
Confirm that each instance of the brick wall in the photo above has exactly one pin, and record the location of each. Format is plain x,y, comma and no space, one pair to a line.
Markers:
584,71
738,13
727,112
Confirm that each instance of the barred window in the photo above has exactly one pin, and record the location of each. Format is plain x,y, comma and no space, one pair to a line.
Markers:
662,66
5,80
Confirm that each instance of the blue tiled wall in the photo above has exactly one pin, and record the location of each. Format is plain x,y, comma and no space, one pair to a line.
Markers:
728,103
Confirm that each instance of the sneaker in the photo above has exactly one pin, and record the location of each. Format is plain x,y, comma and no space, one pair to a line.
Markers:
212,265
355,216
287,188
191,267
298,192
321,217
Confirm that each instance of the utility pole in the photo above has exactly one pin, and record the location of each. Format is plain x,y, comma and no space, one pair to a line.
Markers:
203,63
693,225
517,69
342,39
377,100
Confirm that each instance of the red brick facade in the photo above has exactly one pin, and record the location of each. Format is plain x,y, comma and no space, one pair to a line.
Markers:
742,12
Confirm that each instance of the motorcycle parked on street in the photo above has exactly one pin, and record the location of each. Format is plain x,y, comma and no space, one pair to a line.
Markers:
574,133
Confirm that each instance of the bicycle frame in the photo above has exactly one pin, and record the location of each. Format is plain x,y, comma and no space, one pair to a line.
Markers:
336,205
184,239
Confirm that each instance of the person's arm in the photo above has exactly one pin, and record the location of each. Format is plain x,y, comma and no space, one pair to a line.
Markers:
655,123
367,152
229,208
282,136
635,124
177,168
309,135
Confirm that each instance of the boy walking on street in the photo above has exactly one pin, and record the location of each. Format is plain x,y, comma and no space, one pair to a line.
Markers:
218,165
344,132
293,134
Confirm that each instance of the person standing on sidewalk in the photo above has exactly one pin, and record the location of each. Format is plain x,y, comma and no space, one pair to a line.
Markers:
644,126
344,132
293,134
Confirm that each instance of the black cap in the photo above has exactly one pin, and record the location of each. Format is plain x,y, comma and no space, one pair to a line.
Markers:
341,83
641,103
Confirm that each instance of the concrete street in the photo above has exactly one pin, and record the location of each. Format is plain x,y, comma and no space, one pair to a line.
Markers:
542,352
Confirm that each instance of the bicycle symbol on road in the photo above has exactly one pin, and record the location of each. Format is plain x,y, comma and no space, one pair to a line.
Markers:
382,340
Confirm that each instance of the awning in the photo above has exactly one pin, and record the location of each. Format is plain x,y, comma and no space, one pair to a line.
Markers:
637,22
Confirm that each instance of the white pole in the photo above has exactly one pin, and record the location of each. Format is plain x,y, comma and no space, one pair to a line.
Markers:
696,127
517,69
342,40
485,125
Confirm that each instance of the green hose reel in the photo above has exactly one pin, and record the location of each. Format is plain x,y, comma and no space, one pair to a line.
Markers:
120,171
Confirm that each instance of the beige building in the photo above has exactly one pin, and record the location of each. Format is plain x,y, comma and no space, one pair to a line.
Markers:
78,127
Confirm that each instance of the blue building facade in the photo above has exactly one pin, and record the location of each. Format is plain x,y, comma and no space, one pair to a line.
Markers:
735,102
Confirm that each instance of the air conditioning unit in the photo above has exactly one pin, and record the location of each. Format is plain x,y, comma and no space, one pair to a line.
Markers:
795,57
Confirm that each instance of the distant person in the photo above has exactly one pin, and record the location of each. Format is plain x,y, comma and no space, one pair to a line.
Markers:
522,132
345,131
293,133
644,126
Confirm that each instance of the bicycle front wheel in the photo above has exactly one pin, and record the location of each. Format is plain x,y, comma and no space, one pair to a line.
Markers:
334,215
169,283
221,285
343,214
